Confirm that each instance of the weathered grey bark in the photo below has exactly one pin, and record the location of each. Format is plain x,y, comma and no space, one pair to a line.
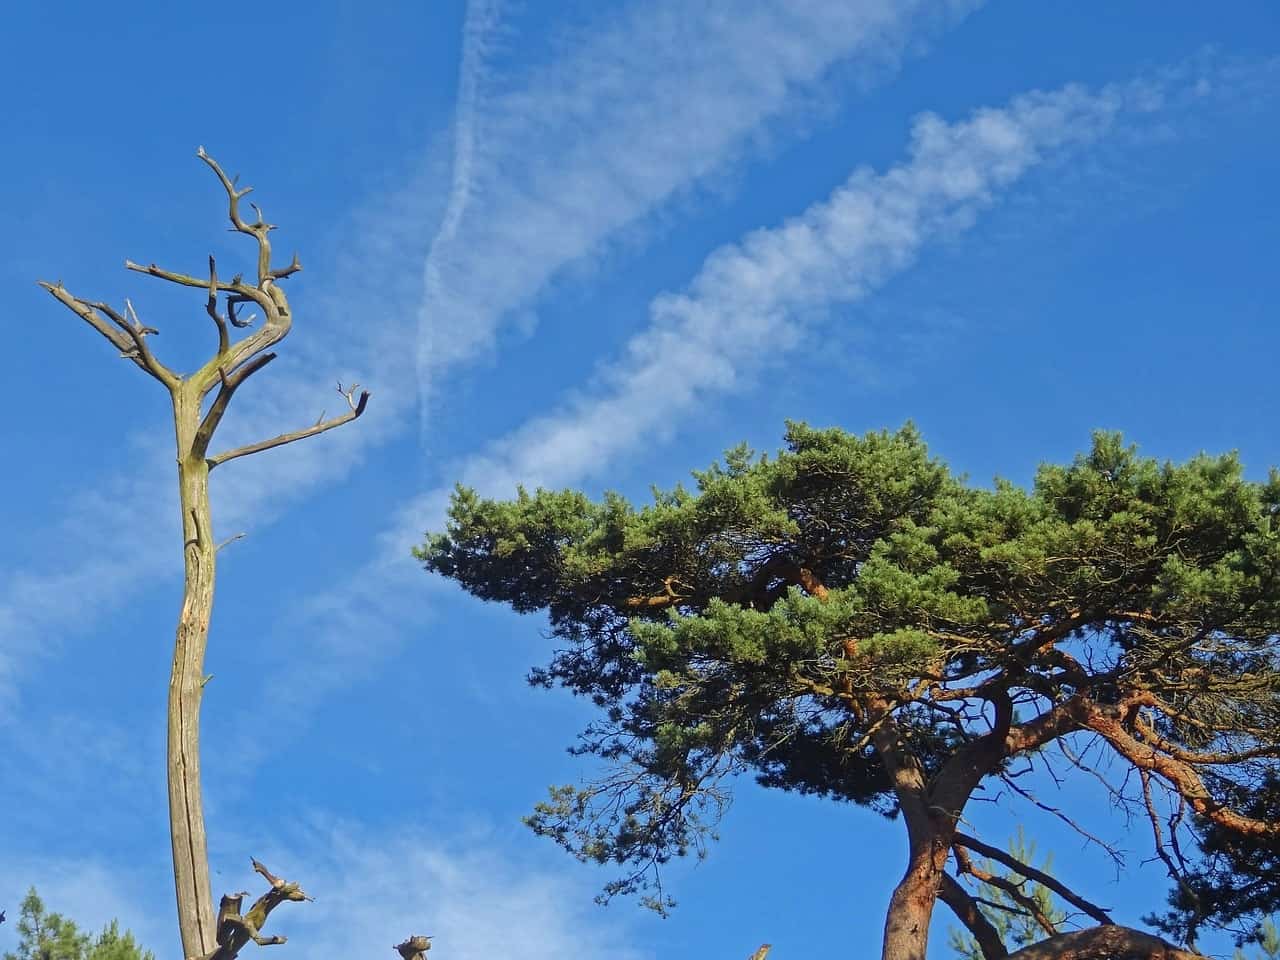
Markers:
186,687
203,936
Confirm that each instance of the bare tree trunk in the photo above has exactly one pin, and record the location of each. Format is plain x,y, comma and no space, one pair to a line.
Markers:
195,424
186,687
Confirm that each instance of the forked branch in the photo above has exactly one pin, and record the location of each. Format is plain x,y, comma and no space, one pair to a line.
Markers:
1011,889
125,333
259,229
230,382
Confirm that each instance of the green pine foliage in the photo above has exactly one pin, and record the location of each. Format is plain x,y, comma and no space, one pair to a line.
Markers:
50,936
803,616
1268,943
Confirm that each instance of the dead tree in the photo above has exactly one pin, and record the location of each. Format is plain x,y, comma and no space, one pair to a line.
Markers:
205,935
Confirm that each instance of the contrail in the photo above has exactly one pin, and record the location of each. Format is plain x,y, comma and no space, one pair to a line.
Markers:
477,27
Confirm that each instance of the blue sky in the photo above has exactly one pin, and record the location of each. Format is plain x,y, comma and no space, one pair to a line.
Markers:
565,244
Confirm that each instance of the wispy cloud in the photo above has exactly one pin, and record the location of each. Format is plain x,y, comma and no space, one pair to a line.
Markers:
372,888
756,299
642,105
477,900
646,104
749,305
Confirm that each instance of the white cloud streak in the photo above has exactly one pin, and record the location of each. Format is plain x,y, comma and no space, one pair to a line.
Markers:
481,20
754,300
660,97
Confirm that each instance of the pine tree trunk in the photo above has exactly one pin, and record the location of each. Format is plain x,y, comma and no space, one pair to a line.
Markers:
906,928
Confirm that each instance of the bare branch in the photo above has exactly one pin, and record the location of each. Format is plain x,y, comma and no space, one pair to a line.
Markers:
134,330
1179,774
357,408
258,229
181,279
126,335
294,266
232,301
1013,890
240,291
1111,851
230,382
1031,873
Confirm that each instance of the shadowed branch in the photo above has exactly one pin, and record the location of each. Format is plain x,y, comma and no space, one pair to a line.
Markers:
1031,873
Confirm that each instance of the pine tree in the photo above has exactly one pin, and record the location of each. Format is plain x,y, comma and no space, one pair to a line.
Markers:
51,936
850,619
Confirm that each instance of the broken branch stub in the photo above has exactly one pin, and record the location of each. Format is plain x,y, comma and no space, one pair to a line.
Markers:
415,948
237,930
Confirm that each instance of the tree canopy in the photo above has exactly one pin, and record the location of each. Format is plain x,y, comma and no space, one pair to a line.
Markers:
851,619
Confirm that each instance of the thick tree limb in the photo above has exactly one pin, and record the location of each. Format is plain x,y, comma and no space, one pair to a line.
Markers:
182,279
357,408
230,382
966,910
1181,775
971,764
1031,873
1104,943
